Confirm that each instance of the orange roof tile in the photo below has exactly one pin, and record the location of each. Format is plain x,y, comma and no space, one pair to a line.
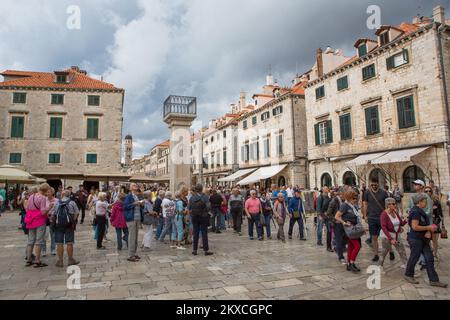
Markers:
408,28
32,79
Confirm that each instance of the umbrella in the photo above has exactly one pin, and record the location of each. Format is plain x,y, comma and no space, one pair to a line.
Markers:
10,174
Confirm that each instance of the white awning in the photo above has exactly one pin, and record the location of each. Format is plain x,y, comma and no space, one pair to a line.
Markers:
399,156
365,159
262,174
237,175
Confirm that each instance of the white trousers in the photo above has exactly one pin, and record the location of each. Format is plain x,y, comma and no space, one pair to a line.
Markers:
148,236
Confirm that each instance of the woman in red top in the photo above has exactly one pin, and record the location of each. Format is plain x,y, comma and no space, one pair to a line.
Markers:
391,227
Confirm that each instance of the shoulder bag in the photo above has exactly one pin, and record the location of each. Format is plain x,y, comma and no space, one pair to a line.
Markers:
355,231
444,234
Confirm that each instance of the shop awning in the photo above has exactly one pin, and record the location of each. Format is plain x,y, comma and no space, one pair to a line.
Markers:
237,175
262,174
365,159
399,156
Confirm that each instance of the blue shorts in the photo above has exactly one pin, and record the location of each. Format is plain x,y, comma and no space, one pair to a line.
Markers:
64,236
374,226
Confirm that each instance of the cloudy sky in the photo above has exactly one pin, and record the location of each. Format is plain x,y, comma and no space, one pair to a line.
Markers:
211,49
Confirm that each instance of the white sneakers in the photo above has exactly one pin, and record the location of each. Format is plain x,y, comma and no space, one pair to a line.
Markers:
181,248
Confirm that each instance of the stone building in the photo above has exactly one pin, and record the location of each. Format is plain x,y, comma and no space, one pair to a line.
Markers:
63,126
384,113
272,143
128,150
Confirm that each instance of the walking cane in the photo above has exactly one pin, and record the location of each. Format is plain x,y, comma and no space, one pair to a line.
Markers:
304,224
274,224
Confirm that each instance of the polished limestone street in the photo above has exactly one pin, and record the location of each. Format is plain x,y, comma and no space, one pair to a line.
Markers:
239,269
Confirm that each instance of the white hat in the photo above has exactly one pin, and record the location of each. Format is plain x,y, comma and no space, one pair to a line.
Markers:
419,182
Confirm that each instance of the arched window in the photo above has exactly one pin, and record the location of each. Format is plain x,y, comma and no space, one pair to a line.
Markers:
326,180
281,181
410,175
379,175
349,179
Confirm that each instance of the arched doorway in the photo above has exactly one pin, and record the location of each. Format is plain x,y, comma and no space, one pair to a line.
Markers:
379,175
326,180
268,184
349,179
281,181
55,184
410,175
88,185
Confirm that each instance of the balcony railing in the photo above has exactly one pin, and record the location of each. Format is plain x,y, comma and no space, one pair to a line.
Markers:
180,105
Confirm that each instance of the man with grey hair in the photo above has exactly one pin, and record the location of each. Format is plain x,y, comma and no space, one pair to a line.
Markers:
64,217
168,212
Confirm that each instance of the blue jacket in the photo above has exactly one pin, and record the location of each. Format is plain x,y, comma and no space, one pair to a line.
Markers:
294,205
128,208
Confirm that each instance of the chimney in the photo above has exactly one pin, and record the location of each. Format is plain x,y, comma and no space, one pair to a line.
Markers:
319,60
329,50
242,101
269,80
439,14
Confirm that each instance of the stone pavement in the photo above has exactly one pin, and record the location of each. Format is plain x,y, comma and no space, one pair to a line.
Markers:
240,269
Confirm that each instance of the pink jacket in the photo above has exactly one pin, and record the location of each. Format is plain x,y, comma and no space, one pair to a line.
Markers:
117,218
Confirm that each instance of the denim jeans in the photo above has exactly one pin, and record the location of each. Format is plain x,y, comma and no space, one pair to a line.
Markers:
200,225
301,227
268,220
320,225
222,221
177,228
121,238
254,221
167,229
418,247
159,227
216,218
328,225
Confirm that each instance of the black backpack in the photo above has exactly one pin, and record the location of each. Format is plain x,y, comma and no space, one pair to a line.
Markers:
199,208
63,219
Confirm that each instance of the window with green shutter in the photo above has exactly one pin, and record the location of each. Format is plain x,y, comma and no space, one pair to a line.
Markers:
317,134
54,158
372,121
368,72
329,131
225,157
91,158
279,140
324,132
320,92
265,116
254,121
19,97
244,124
278,110
92,128
405,111
56,128
94,101
15,158
57,99
342,83
362,50
397,60
17,126
345,126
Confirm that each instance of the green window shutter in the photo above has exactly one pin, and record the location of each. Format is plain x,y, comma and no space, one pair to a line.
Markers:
329,132
17,127
349,126
91,158
92,129
368,122
317,134
54,158
377,120
15,158
56,128
401,113
390,63
341,125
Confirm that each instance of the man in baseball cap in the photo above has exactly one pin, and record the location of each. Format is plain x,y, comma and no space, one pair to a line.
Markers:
419,182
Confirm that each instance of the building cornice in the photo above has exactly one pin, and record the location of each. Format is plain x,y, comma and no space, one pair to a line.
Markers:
372,55
62,89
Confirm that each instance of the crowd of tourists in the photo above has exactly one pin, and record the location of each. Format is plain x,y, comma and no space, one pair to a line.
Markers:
186,217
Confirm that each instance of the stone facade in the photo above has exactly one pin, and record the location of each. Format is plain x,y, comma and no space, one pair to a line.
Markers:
420,78
73,147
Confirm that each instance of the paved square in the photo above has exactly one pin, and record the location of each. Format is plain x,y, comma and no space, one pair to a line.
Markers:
239,269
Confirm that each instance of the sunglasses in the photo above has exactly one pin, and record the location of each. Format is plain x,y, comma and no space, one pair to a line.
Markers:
428,191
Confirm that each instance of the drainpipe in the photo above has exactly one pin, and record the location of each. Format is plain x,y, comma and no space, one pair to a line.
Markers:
440,32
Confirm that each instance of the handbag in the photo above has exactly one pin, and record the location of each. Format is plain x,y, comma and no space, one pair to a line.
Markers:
354,232
444,234
262,220
148,220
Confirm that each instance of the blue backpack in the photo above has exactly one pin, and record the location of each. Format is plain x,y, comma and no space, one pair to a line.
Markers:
63,218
